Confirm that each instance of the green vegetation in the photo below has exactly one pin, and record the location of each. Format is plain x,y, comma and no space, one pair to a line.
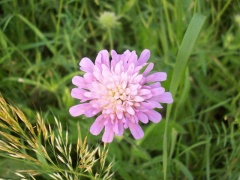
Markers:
41,44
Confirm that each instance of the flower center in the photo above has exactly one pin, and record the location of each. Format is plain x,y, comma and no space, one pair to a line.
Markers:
118,95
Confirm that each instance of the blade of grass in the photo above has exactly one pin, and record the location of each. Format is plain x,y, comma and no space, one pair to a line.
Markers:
184,52
207,154
170,31
184,169
10,47
58,20
27,81
37,32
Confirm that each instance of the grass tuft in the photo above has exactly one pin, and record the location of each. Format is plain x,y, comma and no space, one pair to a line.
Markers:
46,150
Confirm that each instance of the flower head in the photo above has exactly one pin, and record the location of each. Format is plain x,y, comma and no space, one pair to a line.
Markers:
119,93
108,20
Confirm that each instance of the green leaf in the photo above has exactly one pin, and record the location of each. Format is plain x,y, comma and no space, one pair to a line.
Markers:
184,52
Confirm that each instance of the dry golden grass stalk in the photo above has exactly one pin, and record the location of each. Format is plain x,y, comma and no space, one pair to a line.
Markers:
49,151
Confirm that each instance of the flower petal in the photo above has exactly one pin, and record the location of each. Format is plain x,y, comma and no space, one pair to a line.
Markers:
88,77
142,117
150,105
153,116
165,97
136,130
98,60
97,126
78,81
118,68
130,110
155,104
158,76
145,55
105,57
115,59
138,78
120,128
144,92
92,112
108,133
125,58
106,71
115,127
148,69
86,65
138,99
133,58
115,56
79,109
78,93
157,91
119,114
155,85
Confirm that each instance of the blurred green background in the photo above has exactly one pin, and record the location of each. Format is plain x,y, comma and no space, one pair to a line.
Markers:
42,42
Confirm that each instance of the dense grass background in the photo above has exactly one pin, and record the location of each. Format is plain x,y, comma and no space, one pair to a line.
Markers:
42,42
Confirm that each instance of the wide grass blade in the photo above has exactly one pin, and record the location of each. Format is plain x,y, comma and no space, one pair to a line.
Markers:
184,169
184,52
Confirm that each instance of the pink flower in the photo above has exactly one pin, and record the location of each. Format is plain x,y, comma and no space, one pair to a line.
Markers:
122,92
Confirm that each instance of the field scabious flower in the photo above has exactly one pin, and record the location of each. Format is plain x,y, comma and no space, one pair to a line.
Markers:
122,92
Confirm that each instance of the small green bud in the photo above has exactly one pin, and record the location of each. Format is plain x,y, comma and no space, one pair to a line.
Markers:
108,20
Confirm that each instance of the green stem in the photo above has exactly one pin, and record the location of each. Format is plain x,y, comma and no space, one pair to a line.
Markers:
110,38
